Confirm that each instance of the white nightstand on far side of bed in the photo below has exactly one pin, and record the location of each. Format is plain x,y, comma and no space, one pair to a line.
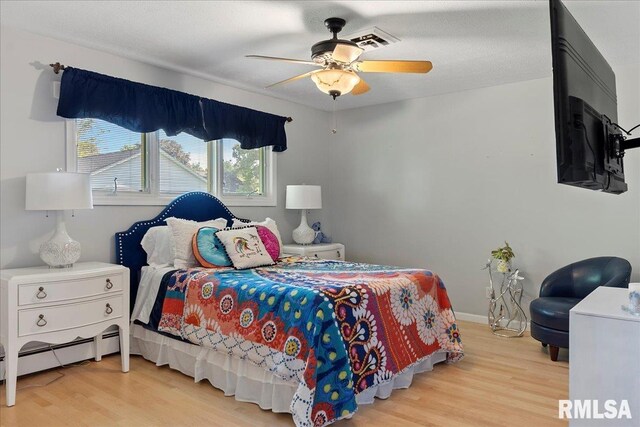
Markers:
321,250
56,306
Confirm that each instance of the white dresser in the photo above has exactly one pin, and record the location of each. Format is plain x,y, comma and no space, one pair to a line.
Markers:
604,358
59,305
321,250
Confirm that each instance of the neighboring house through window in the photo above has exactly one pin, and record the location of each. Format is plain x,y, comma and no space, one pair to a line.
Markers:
129,168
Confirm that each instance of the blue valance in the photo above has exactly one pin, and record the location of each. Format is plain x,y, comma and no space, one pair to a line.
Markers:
144,108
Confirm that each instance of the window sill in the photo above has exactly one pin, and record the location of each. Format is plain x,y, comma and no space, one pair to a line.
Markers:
124,199
249,201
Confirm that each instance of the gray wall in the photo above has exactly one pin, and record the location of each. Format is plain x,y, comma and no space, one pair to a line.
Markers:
439,182
32,139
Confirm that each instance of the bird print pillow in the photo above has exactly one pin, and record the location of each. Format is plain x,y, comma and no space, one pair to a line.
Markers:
244,247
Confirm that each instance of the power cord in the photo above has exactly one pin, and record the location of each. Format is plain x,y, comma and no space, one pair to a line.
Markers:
592,150
60,374
608,180
594,159
83,363
628,132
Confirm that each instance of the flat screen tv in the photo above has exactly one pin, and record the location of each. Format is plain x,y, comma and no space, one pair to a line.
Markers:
590,144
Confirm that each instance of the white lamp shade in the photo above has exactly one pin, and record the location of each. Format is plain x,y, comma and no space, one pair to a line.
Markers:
58,191
338,80
304,197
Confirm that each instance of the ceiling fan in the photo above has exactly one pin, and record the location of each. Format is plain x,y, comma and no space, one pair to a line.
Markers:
339,64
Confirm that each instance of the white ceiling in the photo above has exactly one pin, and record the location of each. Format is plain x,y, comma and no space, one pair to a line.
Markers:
471,43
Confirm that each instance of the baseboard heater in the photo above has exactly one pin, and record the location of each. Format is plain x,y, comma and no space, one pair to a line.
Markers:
41,358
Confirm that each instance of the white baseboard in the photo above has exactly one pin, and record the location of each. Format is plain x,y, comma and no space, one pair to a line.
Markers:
476,318
38,361
468,317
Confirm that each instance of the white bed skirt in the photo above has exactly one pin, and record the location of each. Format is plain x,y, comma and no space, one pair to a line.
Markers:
241,378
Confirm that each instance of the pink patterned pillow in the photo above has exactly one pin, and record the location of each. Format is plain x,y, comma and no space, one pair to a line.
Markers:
270,241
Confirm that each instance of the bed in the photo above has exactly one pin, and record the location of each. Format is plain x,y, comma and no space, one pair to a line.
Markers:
314,338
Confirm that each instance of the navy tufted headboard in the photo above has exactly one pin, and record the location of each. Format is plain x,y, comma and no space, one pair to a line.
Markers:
196,206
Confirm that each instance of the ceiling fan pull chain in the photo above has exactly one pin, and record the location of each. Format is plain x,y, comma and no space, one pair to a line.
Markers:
335,120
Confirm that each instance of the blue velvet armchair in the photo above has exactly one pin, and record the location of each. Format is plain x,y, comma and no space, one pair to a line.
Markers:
565,288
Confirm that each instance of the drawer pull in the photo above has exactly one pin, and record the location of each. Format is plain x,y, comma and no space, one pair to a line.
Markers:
109,285
108,309
41,321
339,256
41,293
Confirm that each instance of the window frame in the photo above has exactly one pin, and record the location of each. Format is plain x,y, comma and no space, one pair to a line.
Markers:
151,195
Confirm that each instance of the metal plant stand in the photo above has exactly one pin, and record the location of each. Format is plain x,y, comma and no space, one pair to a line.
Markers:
506,316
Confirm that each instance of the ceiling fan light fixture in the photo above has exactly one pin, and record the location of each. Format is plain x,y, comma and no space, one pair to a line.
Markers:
339,63
331,81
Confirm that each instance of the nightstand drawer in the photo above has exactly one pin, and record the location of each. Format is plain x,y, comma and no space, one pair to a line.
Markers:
330,254
72,289
331,251
68,316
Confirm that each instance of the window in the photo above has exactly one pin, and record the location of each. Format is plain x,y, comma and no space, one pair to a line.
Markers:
128,168
241,171
107,152
184,163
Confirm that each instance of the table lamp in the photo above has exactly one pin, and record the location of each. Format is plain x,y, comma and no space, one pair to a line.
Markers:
304,197
59,191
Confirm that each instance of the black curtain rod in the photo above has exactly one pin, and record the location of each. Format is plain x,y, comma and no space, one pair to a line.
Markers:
57,67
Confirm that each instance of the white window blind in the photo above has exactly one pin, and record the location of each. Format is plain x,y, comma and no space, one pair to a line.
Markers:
109,152
184,163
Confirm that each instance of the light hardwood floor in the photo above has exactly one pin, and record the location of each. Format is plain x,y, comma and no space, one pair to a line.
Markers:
500,382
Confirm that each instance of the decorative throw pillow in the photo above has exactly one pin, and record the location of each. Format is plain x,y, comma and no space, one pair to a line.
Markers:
244,247
208,249
270,241
268,222
183,231
158,246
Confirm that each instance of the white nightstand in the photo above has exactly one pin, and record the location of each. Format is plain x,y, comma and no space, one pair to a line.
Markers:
322,250
59,305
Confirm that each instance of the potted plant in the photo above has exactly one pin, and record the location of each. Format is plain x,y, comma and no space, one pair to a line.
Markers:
503,255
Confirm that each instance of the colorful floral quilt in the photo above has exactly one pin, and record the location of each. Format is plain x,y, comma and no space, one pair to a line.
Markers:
332,328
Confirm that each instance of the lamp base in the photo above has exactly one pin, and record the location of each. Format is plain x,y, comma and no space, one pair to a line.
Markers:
61,251
304,235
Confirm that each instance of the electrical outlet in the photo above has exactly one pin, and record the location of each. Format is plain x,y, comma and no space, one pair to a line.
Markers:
488,291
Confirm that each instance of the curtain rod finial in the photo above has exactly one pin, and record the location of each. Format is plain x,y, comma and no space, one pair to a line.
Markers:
57,67
289,119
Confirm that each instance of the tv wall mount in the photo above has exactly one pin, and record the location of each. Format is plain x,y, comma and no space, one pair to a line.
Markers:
619,142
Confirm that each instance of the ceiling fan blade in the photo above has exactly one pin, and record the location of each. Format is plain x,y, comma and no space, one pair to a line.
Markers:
346,53
360,88
394,66
292,79
275,58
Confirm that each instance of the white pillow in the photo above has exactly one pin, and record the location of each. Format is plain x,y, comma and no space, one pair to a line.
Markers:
157,243
268,222
182,231
244,247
